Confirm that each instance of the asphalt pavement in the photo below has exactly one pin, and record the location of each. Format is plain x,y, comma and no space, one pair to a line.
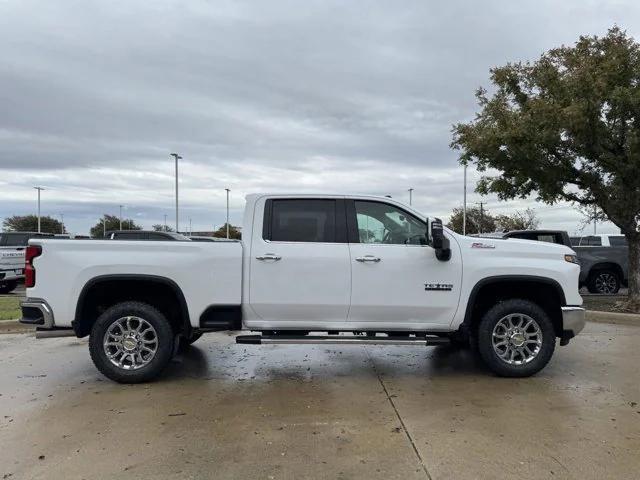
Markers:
231,411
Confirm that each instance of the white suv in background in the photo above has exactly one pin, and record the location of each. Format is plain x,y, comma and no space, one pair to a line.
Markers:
601,240
12,249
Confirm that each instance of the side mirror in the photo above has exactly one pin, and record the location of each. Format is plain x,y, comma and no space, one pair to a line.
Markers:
439,241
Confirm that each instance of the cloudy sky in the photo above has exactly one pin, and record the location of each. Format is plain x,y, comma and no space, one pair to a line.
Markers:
286,96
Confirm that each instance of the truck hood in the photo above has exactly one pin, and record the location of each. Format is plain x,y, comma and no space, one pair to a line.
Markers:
514,246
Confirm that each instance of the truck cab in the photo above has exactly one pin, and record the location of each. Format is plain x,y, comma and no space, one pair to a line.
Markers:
341,263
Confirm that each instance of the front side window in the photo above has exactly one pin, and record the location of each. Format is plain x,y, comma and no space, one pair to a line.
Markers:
618,241
385,224
302,220
546,238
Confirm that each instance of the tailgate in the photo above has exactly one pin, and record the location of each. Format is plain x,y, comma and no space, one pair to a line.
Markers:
12,258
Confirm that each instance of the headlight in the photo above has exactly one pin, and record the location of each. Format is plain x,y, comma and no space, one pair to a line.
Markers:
572,259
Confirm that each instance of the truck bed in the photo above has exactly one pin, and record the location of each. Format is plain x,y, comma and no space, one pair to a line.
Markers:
206,273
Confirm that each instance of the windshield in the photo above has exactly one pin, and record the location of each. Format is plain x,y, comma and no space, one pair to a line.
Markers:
14,239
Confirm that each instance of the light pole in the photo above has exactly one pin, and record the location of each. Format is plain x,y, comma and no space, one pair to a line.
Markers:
165,222
190,230
227,212
121,216
39,189
481,215
62,223
464,203
410,196
177,157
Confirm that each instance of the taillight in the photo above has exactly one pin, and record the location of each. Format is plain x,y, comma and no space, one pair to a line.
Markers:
32,252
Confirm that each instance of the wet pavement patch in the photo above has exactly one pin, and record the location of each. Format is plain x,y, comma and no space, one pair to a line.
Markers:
230,411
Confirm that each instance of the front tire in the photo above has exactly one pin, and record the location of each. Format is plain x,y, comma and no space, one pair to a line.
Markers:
131,342
516,338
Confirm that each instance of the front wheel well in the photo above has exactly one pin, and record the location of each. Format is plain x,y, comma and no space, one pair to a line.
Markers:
102,293
547,295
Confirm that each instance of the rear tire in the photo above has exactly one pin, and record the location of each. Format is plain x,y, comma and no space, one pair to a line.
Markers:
604,282
131,342
516,338
8,286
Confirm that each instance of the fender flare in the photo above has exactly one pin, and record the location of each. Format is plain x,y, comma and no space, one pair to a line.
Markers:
510,278
132,276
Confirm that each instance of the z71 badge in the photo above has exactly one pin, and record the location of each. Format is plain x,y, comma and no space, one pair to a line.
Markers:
438,286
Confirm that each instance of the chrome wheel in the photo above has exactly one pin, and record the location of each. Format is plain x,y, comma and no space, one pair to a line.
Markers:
130,343
517,339
606,283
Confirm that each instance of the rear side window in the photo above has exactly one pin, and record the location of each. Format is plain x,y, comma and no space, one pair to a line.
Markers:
300,220
591,241
618,241
129,236
157,236
14,239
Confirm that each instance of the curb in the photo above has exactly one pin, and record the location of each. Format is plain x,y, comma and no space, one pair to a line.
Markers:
615,318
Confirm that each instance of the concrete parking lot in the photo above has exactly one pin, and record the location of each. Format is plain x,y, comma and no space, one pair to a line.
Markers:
230,411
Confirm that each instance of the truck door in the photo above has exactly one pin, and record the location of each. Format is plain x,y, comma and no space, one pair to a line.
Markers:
397,281
299,265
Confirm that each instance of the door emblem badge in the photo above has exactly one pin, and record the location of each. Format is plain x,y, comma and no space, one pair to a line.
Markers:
482,245
441,287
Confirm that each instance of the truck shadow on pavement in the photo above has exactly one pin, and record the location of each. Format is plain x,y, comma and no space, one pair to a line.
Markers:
301,363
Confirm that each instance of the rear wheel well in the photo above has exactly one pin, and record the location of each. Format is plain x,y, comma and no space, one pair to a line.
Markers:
548,296
100,294
598,267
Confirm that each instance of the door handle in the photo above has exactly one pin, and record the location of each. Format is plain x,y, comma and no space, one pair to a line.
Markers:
268,256
368,258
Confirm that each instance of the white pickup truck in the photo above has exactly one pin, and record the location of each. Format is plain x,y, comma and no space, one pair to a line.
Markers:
310,269
12,248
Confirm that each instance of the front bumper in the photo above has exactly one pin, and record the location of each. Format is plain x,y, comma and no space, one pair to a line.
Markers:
36,311
573,321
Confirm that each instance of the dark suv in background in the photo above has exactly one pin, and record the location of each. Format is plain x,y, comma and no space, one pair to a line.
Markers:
604,259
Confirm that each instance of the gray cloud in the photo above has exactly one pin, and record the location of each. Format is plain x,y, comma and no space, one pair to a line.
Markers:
271,95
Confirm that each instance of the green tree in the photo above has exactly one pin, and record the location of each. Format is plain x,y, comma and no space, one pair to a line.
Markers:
234,232
566,127
477,221
29,223
518,220
112,223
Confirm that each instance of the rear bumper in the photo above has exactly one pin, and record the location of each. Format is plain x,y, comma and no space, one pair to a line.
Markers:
36,311
573,321
9,275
